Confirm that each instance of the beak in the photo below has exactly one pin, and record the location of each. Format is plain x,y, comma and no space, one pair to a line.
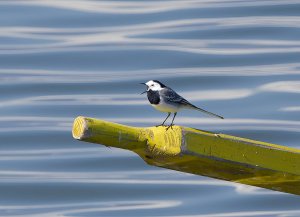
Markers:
145,90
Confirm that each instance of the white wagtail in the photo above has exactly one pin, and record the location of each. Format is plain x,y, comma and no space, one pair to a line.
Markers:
165,99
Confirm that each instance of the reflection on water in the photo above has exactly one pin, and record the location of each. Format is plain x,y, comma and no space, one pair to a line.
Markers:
61,59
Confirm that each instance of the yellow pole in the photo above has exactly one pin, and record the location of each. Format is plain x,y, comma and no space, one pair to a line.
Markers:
200,152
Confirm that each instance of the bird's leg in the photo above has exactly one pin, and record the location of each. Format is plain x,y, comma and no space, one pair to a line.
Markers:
169,113
172,121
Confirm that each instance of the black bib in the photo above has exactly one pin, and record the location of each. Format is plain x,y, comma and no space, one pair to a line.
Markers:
153,97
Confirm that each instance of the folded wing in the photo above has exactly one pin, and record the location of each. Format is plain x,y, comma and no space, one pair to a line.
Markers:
171,96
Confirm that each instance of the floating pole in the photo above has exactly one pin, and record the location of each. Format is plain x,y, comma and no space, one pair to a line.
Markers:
200,152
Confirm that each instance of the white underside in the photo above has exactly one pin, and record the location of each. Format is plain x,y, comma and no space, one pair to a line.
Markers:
164,107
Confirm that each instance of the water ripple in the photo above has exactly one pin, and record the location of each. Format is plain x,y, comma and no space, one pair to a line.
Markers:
267,213
67,209
61,58
42,76
134,37
133,7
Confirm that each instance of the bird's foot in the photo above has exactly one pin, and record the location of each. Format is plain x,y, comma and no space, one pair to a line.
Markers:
170,126
160,125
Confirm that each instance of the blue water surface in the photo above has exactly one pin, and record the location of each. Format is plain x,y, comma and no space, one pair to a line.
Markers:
61,59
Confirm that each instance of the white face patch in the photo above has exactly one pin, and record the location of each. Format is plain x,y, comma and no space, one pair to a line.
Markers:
152,85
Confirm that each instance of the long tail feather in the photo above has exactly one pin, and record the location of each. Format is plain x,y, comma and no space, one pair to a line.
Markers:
207,112
189,105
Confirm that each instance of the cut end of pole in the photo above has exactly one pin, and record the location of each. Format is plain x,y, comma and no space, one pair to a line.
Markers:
79,128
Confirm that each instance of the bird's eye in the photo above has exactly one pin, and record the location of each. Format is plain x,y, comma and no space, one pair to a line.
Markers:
152,85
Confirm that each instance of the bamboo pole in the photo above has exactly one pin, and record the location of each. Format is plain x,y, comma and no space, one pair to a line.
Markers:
199,152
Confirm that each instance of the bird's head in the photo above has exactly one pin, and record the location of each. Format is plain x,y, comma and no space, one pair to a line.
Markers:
153,85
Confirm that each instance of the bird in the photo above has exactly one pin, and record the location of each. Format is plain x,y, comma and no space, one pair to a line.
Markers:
165,99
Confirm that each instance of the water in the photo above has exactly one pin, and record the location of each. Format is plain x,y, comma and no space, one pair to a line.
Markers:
61,59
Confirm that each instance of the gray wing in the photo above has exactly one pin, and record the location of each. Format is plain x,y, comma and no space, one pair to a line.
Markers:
172,97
